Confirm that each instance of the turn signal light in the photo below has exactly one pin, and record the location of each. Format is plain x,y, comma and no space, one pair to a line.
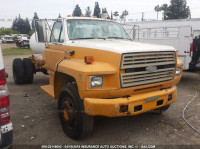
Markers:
4,110
89,59
176,54
4,102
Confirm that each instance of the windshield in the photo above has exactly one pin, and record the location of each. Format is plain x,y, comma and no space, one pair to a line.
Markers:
95,29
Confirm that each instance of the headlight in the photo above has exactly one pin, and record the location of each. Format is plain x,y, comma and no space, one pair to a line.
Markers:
178,70
96,81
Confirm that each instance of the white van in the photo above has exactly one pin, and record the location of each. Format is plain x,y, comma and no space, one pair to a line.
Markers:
6,128
178,33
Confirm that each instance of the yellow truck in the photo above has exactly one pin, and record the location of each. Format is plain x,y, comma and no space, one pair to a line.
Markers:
95,69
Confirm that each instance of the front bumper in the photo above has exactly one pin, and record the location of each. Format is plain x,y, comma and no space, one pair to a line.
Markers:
6,136
135,104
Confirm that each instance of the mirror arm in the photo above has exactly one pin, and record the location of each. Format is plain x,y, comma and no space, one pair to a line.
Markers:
50,29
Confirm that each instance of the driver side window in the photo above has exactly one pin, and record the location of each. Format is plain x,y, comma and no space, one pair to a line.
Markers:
57,34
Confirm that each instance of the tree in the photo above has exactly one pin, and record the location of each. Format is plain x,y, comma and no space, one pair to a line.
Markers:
27,27
105,13
116,14
164,9
97,10
88,12
77,11
104,10
7,31
108,17
111,16
157,9
32,31
123,15
35,17
177,9
142,19
21,25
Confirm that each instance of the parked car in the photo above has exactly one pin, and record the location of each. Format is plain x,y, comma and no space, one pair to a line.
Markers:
21,41
6,133
7,39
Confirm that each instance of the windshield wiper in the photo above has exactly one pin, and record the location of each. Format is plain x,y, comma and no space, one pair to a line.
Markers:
118,38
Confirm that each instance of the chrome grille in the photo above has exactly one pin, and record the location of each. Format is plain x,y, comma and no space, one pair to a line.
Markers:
145,77
137,60
138,63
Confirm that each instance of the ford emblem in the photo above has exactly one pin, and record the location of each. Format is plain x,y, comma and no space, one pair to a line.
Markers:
151,68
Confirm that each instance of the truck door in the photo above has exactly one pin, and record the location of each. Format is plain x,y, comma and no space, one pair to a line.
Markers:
54,51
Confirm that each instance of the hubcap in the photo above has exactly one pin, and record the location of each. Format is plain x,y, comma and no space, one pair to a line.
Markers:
69,111
66,114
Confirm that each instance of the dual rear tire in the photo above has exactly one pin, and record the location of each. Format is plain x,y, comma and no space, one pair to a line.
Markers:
23,71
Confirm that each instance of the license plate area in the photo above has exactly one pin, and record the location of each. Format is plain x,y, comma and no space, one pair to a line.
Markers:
151,99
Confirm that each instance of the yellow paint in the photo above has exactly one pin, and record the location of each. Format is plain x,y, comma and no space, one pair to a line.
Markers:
64,68
111,107
48,89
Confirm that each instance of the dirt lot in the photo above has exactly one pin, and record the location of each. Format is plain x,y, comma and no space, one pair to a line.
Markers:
8,45
36,121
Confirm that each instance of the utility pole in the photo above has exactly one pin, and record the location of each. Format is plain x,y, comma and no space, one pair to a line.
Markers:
142,16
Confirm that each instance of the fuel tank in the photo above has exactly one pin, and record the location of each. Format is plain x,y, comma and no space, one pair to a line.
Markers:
36,47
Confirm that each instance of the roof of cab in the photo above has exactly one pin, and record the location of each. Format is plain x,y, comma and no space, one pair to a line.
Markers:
87,18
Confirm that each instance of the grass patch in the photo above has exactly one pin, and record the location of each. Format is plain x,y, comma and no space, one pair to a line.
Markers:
16,51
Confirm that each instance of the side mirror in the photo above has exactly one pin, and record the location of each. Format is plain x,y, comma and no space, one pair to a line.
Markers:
41,31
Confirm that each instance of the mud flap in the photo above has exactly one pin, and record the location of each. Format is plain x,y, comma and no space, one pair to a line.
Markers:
196,53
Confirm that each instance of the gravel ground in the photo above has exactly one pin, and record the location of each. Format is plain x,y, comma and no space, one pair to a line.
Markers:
36,122
8,45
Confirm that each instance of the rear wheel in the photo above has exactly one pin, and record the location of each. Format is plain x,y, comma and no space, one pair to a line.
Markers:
18,71
75,123
29,70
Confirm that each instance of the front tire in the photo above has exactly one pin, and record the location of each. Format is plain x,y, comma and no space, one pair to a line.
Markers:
18,71
75,123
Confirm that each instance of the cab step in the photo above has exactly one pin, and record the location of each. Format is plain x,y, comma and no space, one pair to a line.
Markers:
49,89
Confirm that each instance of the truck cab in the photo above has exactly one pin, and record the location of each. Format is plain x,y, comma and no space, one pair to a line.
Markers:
95,69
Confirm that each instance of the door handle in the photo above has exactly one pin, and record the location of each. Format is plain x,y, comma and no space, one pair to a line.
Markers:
71,53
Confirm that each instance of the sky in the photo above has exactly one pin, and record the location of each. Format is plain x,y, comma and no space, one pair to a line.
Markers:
50,9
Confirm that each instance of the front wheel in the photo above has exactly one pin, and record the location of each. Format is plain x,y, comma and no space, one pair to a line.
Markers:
75,123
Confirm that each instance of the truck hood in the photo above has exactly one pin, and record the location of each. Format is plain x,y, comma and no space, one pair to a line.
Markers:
119,46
